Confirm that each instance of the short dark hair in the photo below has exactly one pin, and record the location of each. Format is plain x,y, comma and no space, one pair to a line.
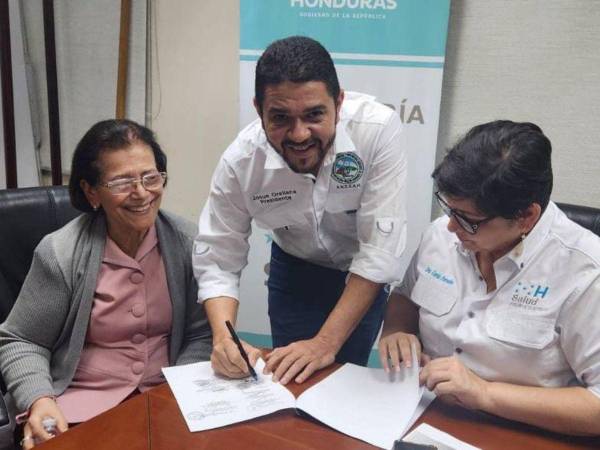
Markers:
297,59
112,134
502,166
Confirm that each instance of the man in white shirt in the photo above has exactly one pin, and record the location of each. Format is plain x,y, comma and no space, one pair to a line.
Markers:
326,171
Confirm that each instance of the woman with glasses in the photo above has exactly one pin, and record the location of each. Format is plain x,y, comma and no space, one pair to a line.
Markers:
110,298
501,301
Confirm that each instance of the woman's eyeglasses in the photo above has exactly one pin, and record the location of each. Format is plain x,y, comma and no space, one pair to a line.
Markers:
468,225
151,182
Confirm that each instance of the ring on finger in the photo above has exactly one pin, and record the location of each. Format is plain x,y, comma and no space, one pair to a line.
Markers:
25,439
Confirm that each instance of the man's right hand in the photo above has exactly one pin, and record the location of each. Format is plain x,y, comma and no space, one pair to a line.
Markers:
227,360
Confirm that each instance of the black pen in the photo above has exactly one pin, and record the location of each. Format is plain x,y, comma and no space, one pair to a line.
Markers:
236,339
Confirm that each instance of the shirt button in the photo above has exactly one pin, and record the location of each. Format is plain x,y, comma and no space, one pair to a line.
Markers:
138,338
138,310
136,277
458,350
471,314
137,367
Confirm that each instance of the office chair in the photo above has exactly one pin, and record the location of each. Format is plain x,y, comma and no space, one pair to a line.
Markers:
26,216
585,216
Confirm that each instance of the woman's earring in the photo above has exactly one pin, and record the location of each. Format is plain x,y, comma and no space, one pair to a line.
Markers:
523,236
95,208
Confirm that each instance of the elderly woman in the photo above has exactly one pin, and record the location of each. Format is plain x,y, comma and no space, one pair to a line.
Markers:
503,293
110,298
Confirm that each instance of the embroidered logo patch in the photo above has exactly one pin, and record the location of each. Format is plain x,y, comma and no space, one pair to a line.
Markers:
347,168
529,295
531,289
438,275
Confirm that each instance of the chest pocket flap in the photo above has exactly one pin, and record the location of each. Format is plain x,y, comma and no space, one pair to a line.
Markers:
520,329
434,296
273,220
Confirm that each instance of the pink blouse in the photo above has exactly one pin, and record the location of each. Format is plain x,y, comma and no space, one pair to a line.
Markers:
128,334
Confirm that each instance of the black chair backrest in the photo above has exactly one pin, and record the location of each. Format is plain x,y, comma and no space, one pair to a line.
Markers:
585,216
26,216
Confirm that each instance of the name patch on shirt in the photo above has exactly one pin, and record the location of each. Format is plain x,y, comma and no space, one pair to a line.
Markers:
347,170
439,276
529,295
265,198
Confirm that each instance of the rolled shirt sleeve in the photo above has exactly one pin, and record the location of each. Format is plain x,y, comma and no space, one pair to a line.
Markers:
410,278
381,218
221,247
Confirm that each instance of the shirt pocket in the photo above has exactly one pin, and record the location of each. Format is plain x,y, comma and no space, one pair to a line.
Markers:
341,223
520,329
339,202
273,220
433,296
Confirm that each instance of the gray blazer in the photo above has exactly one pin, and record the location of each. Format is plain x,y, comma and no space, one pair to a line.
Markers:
42,338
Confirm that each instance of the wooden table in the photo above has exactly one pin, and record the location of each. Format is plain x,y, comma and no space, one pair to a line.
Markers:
152,421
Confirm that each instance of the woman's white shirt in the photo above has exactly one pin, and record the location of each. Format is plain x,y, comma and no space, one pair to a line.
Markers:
540,327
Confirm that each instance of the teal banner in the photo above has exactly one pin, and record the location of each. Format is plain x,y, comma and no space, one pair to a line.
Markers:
382,27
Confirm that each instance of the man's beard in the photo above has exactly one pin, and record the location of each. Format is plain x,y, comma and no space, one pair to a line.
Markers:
317,143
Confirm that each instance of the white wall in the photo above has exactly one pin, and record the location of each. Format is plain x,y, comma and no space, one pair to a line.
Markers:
194,93
536,60
530,60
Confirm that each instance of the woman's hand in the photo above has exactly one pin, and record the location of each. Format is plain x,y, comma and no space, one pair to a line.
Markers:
33,432
397,347
453,382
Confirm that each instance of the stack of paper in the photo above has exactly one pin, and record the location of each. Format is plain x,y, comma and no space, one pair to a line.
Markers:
364,403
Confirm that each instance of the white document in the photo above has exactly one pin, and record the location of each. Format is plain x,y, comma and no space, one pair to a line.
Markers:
362,402
426,399
428,435
368,404
207,400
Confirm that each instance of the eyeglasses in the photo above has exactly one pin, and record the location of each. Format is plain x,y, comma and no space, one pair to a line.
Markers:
151,182
468,225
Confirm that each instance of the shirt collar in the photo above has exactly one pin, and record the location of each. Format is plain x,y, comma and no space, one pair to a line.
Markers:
342,144
522,253
148,244
114,255
273,160
528,247
459,246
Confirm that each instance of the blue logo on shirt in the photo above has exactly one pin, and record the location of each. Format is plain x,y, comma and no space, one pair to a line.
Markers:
347,168
528,294
531,289
439,276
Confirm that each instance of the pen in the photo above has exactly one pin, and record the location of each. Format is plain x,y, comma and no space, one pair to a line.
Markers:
240,348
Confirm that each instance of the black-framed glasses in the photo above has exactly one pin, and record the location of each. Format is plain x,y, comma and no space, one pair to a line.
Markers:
152,181
468,225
